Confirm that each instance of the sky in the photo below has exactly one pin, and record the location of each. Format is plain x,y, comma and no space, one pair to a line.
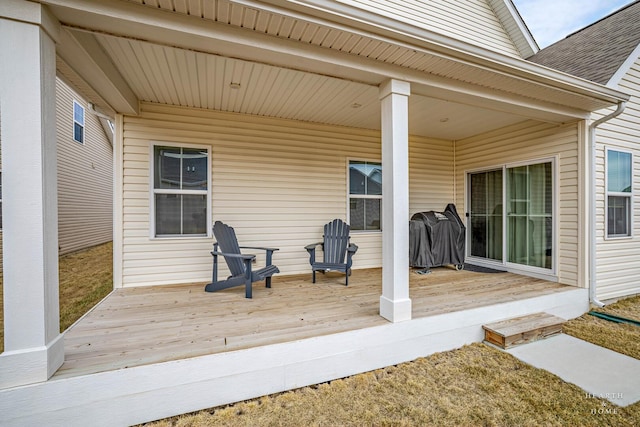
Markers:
553,20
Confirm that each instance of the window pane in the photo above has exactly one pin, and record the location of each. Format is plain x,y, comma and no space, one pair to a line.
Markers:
194,169
356,214
167,167
374,179
618,215
194,214
372,214
619,172
181,214
78,133
168,214
540,189
78,113
357,178
365,178
364,214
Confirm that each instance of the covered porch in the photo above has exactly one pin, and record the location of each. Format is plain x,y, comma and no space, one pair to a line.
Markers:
147,325
151,352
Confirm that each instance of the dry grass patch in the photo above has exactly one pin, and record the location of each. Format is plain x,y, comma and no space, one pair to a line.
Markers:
620,337
475,385
86,277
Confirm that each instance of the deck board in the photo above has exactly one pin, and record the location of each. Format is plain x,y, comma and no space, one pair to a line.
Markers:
137,326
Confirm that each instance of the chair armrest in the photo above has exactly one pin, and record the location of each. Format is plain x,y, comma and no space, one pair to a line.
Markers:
259,248
241,256
352,247
313,246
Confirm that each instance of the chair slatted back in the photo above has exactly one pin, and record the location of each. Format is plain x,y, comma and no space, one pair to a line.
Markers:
336,241
226,238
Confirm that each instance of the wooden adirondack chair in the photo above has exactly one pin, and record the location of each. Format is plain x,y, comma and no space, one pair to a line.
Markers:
335,247
239,264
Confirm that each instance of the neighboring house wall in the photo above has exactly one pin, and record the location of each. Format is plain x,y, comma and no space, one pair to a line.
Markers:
277,182
471,21
530,141
85,178
618,263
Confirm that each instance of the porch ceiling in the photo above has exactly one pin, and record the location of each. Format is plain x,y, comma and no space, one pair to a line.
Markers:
296,66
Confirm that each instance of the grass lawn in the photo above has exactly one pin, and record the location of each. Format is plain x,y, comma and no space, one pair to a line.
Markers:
471,386
86,277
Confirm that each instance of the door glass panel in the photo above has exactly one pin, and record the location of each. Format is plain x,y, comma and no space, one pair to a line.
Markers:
486,215
530,215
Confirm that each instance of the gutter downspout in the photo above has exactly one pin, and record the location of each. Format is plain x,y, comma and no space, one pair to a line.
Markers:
592,204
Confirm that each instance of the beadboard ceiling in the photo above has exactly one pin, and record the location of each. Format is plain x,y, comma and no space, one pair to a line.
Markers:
192,79
309,69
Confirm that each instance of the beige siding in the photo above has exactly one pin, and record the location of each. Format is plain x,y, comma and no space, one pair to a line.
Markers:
471,21
277,182
524,142
85,177
618,260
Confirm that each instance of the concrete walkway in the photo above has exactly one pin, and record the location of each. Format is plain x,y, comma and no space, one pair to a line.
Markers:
598,371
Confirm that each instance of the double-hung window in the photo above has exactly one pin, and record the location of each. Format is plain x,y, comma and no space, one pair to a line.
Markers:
365,195
180,191
78,122
619,190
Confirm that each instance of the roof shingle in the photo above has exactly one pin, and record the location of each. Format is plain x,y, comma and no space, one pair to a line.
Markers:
596,52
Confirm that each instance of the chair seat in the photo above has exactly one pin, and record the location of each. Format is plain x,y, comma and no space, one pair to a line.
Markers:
263,273
329,266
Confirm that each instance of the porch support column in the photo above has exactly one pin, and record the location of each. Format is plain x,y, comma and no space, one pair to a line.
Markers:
33,348
395,304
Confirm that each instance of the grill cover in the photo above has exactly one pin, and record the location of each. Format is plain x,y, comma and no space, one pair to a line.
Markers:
436,238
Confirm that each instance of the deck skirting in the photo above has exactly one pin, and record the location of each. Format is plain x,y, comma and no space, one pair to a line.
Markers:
145,393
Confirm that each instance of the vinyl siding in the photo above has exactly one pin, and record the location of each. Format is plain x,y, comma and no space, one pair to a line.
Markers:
277,182
85,177
524,142
471,21
618,263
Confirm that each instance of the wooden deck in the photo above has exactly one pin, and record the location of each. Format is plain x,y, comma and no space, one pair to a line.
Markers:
140,326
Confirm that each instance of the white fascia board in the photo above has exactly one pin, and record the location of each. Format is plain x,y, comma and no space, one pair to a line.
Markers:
514,16
614,81
181,31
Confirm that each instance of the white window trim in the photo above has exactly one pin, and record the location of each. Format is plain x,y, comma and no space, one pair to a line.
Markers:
617,194
362,196
84,117
152,192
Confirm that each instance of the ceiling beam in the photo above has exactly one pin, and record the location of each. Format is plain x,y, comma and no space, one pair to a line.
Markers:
82,52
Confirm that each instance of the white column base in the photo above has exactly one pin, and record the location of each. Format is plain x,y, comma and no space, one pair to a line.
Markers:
395,310
32,365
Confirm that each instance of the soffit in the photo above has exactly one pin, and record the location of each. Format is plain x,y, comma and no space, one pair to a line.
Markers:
312,31
303,68
174,76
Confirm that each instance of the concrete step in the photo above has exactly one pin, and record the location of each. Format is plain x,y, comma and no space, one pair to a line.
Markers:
520,330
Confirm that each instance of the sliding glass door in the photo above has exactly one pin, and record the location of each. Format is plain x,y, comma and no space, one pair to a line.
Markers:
521,232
